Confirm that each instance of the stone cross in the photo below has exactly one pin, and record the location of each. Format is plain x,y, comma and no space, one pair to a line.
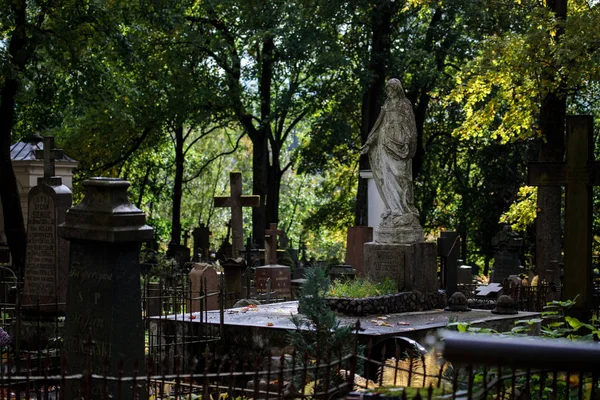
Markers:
236,201
49,154
579,174
271,242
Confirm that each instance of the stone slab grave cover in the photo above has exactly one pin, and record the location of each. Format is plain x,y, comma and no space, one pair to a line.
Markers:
47,255
398,249
236,201
280,275
580,173
205,281
104,295
507,245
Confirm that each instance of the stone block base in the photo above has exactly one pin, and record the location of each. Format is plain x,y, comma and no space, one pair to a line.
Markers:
411,266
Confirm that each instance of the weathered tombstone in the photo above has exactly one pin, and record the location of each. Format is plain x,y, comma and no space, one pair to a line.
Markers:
201,243
356,238
204,279
448,249
234,270
464,275
47,257
271,244
580,173
103,297
179,252
507,245
278,275
236,201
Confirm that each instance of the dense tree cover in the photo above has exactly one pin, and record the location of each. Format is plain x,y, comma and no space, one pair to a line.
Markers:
173,95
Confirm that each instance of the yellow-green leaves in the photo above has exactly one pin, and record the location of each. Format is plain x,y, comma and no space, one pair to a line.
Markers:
522,212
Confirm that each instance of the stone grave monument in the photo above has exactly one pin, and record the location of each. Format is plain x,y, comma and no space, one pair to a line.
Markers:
103,311
398,249
236,201
448,249
205,281
28,169
507,245
279,275
356,238
47,257
580,173
201,237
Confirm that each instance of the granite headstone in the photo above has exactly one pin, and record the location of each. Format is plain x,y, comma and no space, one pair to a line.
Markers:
104,295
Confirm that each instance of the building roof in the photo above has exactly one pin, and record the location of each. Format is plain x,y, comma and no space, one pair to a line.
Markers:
26,148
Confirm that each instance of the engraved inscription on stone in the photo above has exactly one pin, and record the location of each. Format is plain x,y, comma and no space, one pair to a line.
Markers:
280,280
41,261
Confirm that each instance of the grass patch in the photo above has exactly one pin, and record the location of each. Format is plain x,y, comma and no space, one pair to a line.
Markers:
360,288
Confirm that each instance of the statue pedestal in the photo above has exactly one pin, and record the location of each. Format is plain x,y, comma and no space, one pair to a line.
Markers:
394,235
413,266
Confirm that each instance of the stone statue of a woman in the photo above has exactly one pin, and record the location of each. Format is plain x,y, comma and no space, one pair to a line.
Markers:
391,145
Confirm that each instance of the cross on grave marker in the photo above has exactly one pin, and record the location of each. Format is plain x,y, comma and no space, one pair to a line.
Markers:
49,154
271,242
236,201
579,174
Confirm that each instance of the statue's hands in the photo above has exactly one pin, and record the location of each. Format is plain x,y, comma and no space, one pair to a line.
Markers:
365,149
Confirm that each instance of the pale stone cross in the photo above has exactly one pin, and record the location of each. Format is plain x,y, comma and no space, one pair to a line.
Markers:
236,201
580,173
49,154
271,241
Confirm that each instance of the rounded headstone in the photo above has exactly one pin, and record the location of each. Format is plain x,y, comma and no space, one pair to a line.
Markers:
457,302
505,306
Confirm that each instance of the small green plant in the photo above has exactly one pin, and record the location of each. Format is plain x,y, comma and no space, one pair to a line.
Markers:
360,288
555,323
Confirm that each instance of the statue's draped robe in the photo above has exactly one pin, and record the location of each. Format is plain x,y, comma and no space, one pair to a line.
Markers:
393,142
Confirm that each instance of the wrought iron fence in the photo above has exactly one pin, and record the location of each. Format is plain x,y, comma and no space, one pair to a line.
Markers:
457,366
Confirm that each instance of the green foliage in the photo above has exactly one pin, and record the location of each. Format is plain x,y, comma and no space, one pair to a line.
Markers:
555,323
318,334
360,288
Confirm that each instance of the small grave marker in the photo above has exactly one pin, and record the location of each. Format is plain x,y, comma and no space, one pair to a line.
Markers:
201,243
279,275
204,279
236,201
448,249
507,245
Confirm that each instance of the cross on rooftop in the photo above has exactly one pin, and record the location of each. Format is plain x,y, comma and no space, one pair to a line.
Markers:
236,201
49,154
579,174
271,241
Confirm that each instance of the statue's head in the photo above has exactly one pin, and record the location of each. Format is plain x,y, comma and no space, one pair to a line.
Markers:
393,88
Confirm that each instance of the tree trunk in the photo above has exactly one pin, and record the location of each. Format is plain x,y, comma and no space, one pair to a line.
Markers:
260,165
381,30
14,226
177,186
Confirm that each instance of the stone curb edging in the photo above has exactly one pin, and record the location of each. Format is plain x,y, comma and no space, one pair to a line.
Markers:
388,304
